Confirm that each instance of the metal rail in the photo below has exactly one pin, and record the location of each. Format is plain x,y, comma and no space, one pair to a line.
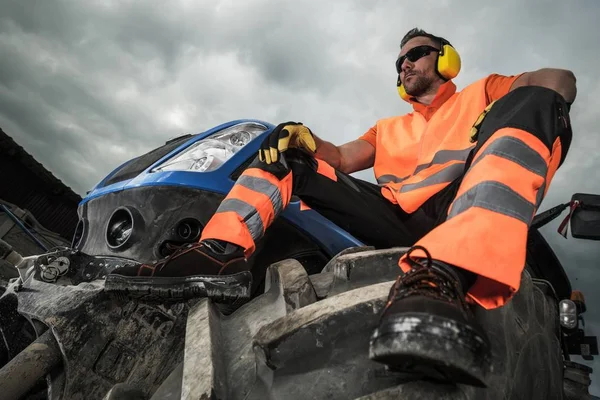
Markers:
20,224
25,370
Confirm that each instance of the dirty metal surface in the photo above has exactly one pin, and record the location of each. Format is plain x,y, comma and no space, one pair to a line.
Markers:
105,340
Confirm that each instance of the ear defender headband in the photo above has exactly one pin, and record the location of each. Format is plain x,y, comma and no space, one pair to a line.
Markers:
447,65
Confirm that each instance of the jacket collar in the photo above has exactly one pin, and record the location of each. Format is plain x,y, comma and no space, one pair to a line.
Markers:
445,91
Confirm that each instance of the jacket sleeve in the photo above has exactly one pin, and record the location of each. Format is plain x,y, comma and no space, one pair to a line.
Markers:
497,86
370,136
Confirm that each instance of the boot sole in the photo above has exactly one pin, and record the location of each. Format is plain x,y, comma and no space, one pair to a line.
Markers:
223,288
432,347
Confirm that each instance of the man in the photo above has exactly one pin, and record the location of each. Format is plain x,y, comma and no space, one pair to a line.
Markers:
460,180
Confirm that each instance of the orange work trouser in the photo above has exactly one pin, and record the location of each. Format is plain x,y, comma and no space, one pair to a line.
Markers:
521,143
263,191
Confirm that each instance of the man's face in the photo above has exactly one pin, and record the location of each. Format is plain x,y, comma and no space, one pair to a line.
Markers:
418,76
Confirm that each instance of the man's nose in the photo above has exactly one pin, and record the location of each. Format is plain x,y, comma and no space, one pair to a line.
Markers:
406,65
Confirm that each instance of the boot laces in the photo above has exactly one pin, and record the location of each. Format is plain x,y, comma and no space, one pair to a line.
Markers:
178,252
425,279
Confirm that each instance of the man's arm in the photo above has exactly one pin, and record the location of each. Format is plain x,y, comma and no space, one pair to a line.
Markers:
559,80
347,158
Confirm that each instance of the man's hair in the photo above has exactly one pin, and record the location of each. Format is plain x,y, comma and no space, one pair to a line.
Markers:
416,32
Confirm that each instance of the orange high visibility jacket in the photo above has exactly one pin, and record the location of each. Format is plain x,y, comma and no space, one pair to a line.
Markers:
420,153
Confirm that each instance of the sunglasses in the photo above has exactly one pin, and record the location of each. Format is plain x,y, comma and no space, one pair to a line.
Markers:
413,55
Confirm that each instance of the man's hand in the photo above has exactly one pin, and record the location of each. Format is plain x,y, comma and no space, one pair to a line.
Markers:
284,136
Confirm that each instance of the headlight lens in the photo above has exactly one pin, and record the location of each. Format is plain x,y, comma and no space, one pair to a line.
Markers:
210,153
568,314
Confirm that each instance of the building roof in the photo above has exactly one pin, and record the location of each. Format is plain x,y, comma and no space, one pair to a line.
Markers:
26,183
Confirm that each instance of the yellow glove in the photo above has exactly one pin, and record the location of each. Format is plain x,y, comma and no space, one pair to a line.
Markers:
285,136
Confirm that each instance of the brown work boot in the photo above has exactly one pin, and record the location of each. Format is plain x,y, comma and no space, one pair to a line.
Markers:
207,269
427,328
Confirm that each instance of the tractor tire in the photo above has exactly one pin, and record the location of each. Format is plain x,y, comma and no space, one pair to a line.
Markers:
308,337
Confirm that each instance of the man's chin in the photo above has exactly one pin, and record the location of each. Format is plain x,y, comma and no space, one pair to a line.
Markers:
412,92
411,89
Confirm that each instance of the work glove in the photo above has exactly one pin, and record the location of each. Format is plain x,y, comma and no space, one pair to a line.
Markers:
285,136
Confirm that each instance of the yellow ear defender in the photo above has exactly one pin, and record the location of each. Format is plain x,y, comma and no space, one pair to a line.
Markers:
405,96
447,66
448,62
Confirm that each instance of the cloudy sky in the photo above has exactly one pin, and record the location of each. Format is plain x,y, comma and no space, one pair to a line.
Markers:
87,85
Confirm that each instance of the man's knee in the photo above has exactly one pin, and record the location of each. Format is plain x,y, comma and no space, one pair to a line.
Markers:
537,110
301,165
279,169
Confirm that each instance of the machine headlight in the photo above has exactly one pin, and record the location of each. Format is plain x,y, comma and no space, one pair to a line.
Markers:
567,311
210,153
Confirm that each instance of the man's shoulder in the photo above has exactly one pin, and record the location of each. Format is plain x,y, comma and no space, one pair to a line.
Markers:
395,118
481,82
493,86
491,79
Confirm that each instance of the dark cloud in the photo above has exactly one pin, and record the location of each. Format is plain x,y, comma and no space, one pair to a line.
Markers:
85,86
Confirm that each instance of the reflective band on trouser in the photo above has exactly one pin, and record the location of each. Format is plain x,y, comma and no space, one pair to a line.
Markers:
251,206
487,224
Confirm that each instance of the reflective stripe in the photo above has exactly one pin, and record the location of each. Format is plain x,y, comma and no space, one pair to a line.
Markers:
441,157
540,194
444,156
248,213
346,179
447,174
265,187
516,150
390,178
497,197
